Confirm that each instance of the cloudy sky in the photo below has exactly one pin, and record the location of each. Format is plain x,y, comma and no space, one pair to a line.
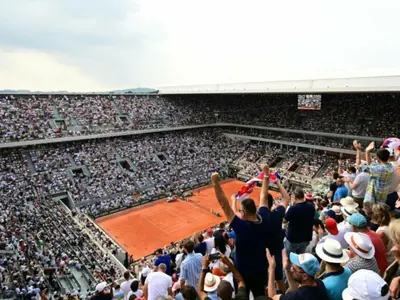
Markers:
96,45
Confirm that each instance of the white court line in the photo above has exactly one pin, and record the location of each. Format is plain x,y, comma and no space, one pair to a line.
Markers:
151,222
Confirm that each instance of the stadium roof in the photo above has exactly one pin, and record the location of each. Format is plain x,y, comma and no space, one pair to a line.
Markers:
355,84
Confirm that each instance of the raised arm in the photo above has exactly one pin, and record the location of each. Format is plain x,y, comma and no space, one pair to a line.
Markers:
238,277
221,197
368,151
265,187
200,287
285,196
358,148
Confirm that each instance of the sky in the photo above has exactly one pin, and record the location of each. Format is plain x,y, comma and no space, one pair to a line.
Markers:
102,45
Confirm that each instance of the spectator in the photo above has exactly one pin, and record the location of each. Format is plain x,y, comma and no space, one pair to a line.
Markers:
201,246
102,293
251,231
381,175
341,191
362,250
158,284
134,290
209,240
301,278
359,223
333,233
366,285
392,194
163,259
189,293
381,217
191,266
333,186
335,277
126,284
300,217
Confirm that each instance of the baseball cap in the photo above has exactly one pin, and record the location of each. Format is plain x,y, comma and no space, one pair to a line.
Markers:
209,231
306,261
331,226
366,285
101,286
357,220
330,213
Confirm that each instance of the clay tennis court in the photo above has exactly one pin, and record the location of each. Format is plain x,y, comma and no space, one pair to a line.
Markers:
142,230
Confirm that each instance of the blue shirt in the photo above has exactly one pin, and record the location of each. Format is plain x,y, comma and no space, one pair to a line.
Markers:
191,269
251,242
164,259
341,192
336,282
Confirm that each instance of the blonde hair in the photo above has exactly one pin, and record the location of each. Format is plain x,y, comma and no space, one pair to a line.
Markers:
394,231
367,208
380,214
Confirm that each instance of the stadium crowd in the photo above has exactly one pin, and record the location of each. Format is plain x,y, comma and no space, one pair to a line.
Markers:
342,244
50,116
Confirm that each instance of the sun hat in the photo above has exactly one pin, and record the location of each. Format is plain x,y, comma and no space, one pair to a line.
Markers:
306,261
211,282
331,226
357,220
336,209
348,210
361,244
101,286
366,285
331,251
348,201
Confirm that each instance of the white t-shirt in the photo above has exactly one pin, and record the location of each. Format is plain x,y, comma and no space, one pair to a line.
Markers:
210,245
158,284
178,260
138,294
126,287
395,177
361,180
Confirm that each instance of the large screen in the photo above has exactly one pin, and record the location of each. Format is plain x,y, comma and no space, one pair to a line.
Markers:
309,102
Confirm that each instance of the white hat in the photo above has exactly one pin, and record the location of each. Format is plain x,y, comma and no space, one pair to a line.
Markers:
348,201
331,251
211,282
366,285
348,210
101,286
336,209
361,244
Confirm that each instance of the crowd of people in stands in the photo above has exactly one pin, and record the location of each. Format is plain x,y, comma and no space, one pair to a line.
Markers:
50,116
341,245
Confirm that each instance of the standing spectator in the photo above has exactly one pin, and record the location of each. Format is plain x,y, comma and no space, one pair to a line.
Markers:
201,246
392,194
158,284
335,277
135,290
191,266
145,272
252,230
366,285
341,191
359,223
102,293
209,240
180,257
333,233
381,175
126,284
301,278
381,217
333,186
163,259
220,230
301,220
363,252
394,231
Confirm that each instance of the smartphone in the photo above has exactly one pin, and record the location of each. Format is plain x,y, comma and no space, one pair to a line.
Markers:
214,256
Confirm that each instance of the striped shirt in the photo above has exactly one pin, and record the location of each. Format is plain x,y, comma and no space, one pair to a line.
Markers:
191,269
379,183
358,263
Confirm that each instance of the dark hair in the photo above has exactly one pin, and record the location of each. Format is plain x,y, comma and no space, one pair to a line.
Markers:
134,285
270,201
159,251
319,223
200,238
383,154
324,203
225,290
222,225
352,169
127,274
249,206
220,243
189,293
189,246
298,193
335,175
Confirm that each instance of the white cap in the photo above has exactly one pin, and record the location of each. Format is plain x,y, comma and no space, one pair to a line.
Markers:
366,285
101,286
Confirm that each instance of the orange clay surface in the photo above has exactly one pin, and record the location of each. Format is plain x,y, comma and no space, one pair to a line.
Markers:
142,230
